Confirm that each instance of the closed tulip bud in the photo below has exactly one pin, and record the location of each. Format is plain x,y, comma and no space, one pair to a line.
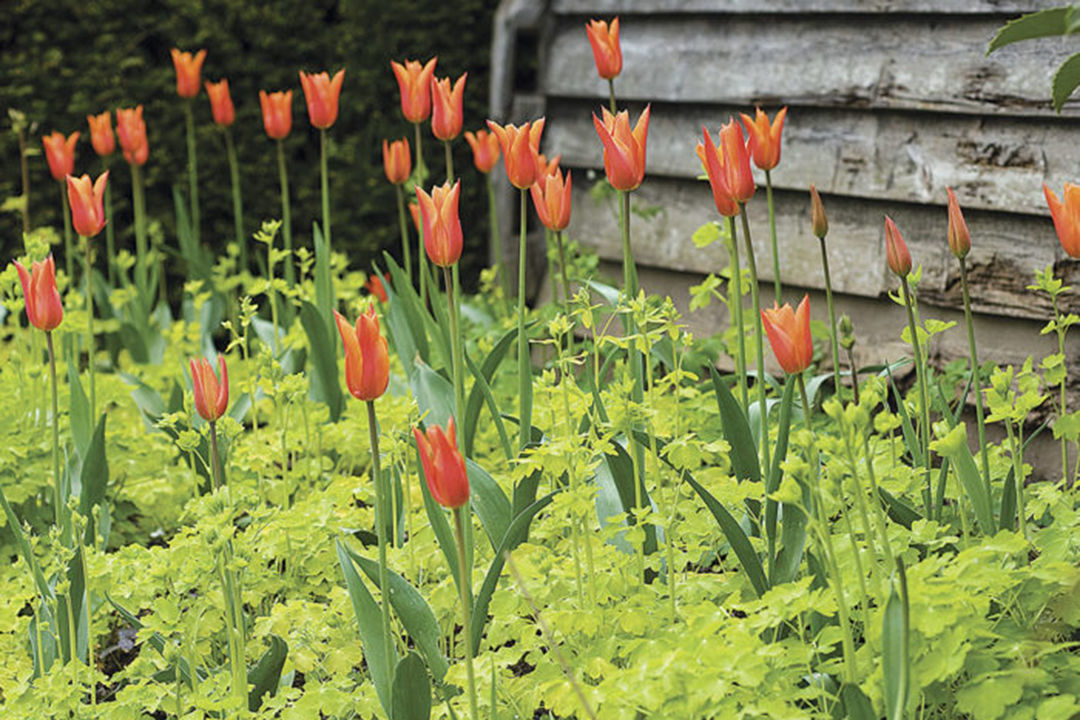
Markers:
624,150
847,333
374,286
276,113
607,53
447,114
713,162
551,197
188,68
442,227
101,133
397,161
1066,214
221,104
322,94
444,467
414,82
763,137
896,251
131,130
520,146
485,148
87,203
740,180
367,360
211,396
60,153
789,335
958,235
818,222
43,308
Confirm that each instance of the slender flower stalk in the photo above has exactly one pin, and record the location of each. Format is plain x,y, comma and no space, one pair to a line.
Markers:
69,248
193,170
735,301
380,530
60,155
763,142
422,263
397,164
277,120
755,296
286,220
403,227
820,228
131,131
466,610
237,198
55,422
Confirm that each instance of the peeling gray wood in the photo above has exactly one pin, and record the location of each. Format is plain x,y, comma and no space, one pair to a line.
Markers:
635,7
935,64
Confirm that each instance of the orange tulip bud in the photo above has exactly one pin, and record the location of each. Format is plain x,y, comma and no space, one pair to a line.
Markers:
414,212
444,467
397,161
43,307
818,222
713,162
896,251
520,147
605,47
101,133
321,94
414,82
131,129
485,147
624,151
789,335
367,360
87,203
763,138
60,153
211,396
188,68
374,286
447,113
551,197
276,113
958,235
1066,217
442,226
740,180
221,104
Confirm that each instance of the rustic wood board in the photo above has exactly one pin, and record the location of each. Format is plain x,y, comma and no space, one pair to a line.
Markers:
636,7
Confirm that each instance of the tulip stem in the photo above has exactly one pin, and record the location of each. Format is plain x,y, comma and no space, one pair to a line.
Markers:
237,199
735,301
272,295
286,222
777,282
24,170
834,343
380,531
496,245
138,201
977,380
1060,327
215,457
69,251
324,177
110,236
453,287
466,609
611,95
193,170
759,381
403,226
566,289
449,162
421,173
524,364
637,381
55,429
88,272
920,375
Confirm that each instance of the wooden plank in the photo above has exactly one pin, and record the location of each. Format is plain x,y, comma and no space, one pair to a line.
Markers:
991,163
643,7
934,64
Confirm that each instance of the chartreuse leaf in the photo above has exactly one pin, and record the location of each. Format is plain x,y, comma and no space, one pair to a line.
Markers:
894,647
264,676
369,619
16,529
954,447
412,689
744,459
1045,23
157,641
1066,79
857,705
325,387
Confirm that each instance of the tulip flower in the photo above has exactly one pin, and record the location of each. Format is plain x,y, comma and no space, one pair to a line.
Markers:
713,162
896,251
958,236
414,82
740,181
789,335
101,133
551,197
211,396
221,104
43,308
188,68
447,114
545,167
444,467
87,203
60,154
276,113
321,94
819,224
485,147
764,137
520,146
624,150
367,361
414,213
131,130
397,163
442,225
605,47
374,286
1066,214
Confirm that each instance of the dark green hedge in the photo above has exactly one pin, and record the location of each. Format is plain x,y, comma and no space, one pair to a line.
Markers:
61,60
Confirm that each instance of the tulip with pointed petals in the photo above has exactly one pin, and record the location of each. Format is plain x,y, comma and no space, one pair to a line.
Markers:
87,201
101,133
43,308
764,137
414,82
188,68
414,213
367,361
819,224
713,162
740,180
545,167
397,161
131,130
607,52
520,146
958,236
221,104
1066,214
211,395
551,197
322,94
447,114
60,153
444,467
789,335
374,286
624,150
276,113
485,147
896,250
442,225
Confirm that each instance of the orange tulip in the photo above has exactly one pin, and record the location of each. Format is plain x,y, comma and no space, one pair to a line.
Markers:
713,162
740,180
447,113
188,68
132,133
958,236
1066,217
485,147
87,203
276,113
896,251
397,161
367,360
414,212
605,47
789,335
624,151
60,153
221,104
764,138
442,225
444,467
321,94
101,133
211,396
374,286
414,82
520,147
43,307
545,167
551,197
818,222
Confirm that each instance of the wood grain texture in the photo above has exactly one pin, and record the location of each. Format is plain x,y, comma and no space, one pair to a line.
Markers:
641,7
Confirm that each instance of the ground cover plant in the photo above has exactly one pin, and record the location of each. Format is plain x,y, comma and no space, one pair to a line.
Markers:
550,512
